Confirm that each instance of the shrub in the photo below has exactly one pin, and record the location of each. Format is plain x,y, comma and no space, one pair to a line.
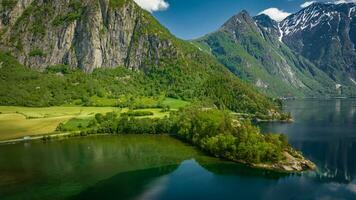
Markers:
8,4
37,52
139,113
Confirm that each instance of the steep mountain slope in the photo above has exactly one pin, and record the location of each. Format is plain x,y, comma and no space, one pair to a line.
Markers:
326,35
250,48
59,37
86,34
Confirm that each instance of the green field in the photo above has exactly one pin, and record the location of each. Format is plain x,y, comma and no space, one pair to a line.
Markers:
175,103
17,122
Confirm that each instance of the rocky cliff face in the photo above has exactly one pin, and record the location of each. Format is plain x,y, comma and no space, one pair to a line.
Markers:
11,10
86,34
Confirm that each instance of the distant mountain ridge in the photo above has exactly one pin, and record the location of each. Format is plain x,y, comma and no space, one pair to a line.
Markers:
252,51
326,35
263,52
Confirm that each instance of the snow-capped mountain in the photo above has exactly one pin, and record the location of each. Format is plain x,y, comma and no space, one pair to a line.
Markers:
326,35
275,56
316,15
250,48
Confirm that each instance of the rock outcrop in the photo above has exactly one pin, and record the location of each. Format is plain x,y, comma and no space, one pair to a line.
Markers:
293,162
84,34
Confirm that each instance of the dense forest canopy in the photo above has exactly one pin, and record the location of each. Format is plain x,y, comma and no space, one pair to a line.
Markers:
60,85
214,131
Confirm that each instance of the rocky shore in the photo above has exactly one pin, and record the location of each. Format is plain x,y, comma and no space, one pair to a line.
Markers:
293,162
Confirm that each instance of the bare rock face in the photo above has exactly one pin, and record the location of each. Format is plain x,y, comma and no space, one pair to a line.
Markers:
293,162
84,34
11,11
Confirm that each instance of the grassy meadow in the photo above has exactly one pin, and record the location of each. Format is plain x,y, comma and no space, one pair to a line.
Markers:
175,103
17,122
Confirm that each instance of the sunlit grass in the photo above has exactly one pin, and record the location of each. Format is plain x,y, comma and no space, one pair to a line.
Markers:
175,103
16,122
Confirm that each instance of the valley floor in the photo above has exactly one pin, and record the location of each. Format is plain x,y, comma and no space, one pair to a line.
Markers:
18,122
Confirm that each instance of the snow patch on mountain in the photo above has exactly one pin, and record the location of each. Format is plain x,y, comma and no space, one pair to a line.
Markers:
312,16
352,12
281,33
353,80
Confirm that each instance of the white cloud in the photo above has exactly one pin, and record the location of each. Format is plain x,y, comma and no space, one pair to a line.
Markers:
307,3
152,5
275,14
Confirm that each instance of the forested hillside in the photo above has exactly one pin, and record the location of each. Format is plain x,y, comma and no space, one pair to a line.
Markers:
251,48
56,52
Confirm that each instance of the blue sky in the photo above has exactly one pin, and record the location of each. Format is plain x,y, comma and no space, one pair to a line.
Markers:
188,19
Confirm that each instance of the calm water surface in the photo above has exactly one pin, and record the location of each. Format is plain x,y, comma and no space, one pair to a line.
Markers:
160,167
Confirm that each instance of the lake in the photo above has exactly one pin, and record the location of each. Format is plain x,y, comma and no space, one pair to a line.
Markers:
161,167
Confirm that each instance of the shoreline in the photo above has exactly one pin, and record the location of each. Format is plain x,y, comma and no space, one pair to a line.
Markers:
293,164
287,121
317,98
37,137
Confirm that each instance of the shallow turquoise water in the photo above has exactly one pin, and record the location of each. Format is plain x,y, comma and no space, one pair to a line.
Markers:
159,167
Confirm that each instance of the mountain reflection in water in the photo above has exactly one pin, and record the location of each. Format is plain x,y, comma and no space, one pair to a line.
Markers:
325,131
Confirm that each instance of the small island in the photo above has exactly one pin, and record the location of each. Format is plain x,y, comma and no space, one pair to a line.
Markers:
216,132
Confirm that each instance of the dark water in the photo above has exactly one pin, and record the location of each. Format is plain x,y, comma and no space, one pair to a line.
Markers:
159,167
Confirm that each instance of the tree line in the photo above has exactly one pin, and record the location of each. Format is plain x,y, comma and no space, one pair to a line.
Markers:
212,130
